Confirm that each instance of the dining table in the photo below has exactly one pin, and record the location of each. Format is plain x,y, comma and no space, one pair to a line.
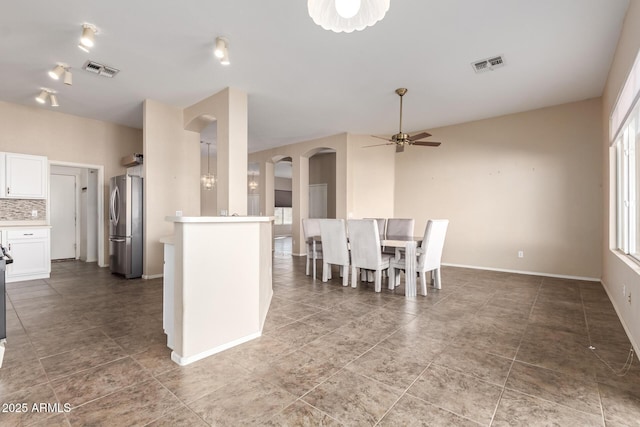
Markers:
410,246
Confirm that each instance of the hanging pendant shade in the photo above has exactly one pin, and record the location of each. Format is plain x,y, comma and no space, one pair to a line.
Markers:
208,179
334,15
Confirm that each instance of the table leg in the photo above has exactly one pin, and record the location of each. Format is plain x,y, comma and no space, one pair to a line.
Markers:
410,269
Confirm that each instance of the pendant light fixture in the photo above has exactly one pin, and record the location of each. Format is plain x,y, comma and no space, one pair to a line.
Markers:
347,15
208,179
253,184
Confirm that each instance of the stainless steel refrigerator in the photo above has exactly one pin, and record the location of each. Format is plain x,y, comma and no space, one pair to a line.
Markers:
125,226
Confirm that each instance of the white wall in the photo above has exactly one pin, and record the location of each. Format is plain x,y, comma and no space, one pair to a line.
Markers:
617,270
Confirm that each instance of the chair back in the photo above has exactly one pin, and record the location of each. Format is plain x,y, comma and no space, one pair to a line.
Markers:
382,225
334,241
364,240
400,227
433,243
310,227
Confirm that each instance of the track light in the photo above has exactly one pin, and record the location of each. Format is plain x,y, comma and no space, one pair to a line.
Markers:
225,57
68,77
88,33
221,50
56,72
42,98
221,46
47,93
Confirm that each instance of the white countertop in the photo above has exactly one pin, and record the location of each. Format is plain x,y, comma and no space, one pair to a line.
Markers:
23,224
218,219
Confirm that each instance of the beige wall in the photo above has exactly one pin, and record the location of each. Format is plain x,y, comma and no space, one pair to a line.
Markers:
172,177
66,138
300,154
322,170
371,174
617,271
529,181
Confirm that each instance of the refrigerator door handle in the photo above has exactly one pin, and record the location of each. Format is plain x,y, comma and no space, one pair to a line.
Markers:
114,214
117,240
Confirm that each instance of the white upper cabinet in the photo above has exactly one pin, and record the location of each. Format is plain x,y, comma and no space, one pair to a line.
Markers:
3,175
25,176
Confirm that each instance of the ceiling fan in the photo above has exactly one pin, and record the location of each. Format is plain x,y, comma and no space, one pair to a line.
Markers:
401,139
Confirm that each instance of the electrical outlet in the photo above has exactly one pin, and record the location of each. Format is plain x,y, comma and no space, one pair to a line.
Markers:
520,254
34,213
178,213
629,298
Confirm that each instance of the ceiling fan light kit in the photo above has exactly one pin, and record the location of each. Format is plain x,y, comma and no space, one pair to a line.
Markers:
347,15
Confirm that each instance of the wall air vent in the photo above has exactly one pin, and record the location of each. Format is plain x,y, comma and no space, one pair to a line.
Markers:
100,69
488,64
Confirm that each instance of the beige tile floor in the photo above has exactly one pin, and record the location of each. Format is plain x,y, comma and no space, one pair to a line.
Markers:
488,349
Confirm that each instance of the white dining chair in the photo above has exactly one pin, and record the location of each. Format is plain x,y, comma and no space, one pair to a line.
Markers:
311,229
364,241
429,255
382,226
335,249
398,228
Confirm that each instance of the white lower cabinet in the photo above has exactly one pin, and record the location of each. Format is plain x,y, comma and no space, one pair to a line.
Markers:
30,250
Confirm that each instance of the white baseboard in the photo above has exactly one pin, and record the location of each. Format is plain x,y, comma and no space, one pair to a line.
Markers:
532,273
635,346
182,361
152,276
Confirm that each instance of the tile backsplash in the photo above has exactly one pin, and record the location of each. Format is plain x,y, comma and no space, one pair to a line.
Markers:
21,209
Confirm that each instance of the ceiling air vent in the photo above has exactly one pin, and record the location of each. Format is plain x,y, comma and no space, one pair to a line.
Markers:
488,64
100,69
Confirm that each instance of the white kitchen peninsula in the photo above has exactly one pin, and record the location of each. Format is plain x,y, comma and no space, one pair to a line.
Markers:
217,280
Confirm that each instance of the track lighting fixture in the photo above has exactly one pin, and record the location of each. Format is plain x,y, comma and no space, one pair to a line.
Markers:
221,50
68,77
42,98
221,45
56,72
89,32
47,93
225,57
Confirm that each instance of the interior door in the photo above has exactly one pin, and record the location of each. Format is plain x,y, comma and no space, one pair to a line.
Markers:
63,216
318,201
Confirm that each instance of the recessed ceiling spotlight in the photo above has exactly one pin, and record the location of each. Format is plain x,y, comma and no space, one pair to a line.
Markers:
88,34
56,72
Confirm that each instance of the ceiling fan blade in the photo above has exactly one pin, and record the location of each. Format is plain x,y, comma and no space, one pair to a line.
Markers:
378,145
399,148
427,143
382,137
419,136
